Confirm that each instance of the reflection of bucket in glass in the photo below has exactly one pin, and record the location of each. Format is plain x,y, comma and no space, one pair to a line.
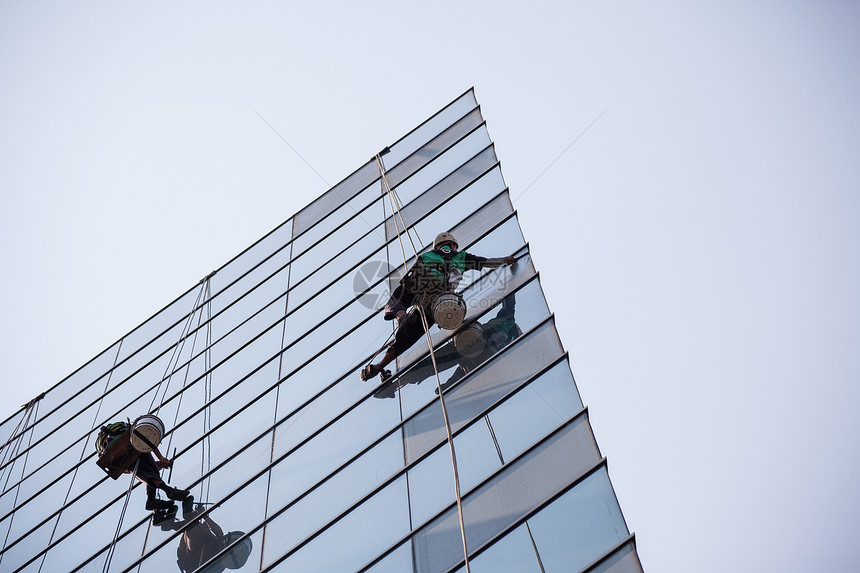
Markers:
469,342
146,434
238,555
449,310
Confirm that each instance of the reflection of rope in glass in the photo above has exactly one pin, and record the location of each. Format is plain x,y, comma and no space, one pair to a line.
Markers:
395,215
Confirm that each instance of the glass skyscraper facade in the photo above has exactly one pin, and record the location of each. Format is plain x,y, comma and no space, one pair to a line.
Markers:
479,457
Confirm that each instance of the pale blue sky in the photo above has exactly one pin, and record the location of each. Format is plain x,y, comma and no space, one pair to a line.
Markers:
698,244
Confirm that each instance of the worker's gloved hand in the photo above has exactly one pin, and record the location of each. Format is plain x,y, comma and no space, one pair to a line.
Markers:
401,316
510,260
163,464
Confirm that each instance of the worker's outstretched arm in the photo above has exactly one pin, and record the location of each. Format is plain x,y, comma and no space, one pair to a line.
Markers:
496,262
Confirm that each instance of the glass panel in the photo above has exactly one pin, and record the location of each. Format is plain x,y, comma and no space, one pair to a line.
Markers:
321,276
624,560
359,536
237,365
441,166
472,185
588,513
430,128
535,410
212,531
258,252
311,380
260,285
485,387
334,233
175,313
334,198
326,452
513,553
257,300
51,440
508,496
33,488
15,556
398,561
434,148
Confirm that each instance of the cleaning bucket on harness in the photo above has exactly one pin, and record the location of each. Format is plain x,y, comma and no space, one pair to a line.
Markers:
449,310
147,428
238,555
469,342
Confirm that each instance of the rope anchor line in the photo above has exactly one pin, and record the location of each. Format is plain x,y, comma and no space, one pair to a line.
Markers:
395,206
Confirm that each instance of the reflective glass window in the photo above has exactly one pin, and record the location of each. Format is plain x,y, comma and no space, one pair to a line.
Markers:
588,513
430,128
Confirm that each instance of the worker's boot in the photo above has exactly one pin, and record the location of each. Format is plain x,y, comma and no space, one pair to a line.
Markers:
177,494
156,504
372,370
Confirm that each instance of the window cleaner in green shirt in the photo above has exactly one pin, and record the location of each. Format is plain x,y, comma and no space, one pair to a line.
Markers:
435,273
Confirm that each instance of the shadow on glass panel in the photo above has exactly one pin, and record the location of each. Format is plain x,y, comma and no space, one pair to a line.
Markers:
427,295
128,448
471,346
202,539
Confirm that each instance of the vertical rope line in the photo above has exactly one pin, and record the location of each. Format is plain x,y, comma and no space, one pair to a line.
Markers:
83,453
395,215
206,451
177,351
32,408
16,447
394,209
112,546
450,438
188,366
275,415
15,436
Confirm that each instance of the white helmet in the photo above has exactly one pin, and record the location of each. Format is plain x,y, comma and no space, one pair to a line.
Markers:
443,238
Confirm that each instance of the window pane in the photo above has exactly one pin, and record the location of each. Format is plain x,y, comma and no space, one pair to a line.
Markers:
589,514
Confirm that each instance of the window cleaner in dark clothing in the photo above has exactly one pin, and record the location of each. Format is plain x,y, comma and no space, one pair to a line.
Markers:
435,273
147,468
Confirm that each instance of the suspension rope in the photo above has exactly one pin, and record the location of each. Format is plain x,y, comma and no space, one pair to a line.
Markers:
206,445
450,437
12,450
396,214
32,408
177,351
112,546
206,304
83,453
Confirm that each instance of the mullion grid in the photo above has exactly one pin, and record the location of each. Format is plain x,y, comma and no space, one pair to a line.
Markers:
287,418
476,419
262,333
226,391
432,137
274,273
395,430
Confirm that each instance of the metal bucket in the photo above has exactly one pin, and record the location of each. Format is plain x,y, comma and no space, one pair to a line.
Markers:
449,310
146,433
469,342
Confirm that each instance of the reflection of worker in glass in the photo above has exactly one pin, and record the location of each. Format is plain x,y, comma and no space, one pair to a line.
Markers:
147,468
434,273
470,347
203,539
